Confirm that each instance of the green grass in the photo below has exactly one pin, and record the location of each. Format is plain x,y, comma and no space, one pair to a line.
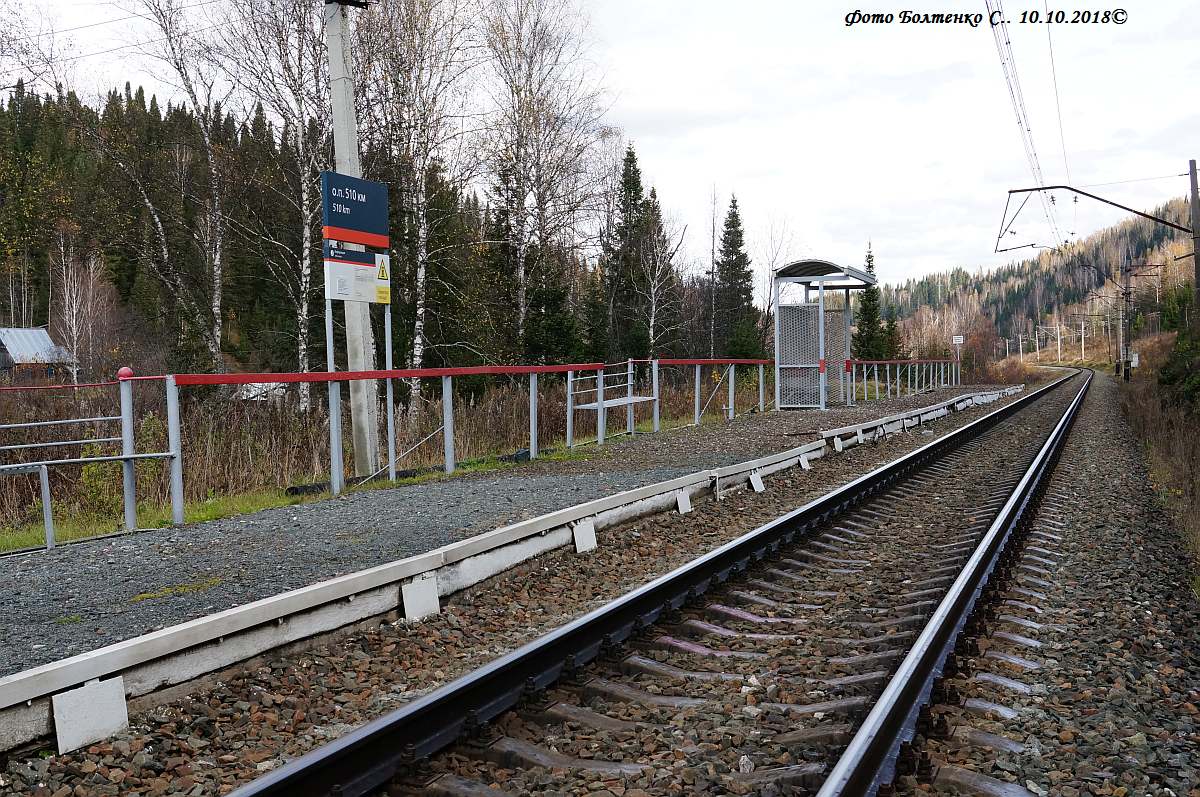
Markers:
177,589
78,526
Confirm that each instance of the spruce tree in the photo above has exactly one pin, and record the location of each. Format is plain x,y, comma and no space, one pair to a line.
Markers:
736,316
893,342
623,250
868,342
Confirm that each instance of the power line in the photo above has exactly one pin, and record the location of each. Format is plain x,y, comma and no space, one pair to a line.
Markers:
1057,103
1136,180
118,48
1008,66
103,22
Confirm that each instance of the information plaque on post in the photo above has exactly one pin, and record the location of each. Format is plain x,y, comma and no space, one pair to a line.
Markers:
352,276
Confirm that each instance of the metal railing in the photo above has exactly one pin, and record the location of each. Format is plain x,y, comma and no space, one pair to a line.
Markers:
582,379
603,391
127,458
900,377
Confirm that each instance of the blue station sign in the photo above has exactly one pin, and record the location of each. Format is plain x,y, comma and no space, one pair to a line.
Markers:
354,211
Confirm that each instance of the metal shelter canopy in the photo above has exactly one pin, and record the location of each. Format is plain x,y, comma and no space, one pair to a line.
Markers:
807,334
831,275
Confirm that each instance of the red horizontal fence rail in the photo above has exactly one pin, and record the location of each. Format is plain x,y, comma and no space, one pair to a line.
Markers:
713,362
126,381
896,362
396,373
20,388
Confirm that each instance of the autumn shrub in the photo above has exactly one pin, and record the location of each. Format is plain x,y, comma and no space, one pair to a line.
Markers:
1162,403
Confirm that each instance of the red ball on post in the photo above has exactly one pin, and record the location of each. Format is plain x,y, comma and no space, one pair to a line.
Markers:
125,373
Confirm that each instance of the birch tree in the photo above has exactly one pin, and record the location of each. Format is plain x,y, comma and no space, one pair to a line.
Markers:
658,281
415,56
287,75
183,52
84,300
546,108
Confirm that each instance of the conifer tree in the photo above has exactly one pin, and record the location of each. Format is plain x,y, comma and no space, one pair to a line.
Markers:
624,251
868,342
736,316
894,343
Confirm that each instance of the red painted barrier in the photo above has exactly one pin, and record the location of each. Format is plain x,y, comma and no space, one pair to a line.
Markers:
396,373
57,387
896,362
714,362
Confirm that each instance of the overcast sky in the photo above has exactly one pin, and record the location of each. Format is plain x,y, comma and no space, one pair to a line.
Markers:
900,134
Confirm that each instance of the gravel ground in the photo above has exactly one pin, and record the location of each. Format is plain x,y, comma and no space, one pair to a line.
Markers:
1111,707
80,597
256,717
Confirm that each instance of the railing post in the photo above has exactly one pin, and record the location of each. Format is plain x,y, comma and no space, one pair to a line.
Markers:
732,386
877,381
570,409
533,437
448,422
696,400
388,391
601,410
887,375
654,387
47,512
629,396
336,477
175,443
762,388
129,484
853,369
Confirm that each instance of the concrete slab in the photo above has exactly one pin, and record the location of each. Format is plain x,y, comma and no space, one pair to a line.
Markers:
90,713
420,597
585,535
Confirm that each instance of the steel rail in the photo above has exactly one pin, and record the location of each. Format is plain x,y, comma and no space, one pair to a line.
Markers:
367,758
869,760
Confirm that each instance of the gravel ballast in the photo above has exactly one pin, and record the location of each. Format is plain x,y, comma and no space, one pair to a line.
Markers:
254,718
1104,607
84,596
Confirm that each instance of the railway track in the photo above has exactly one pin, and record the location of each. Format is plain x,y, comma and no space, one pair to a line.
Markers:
795,659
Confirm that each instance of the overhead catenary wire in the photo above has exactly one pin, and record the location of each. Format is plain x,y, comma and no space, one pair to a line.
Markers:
1062,138
1012,80
1136,180
102,22
131,45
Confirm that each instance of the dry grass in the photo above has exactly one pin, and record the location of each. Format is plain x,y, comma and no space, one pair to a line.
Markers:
1010,371
1169,430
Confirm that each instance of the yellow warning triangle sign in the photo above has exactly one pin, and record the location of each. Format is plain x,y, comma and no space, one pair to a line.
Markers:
383,270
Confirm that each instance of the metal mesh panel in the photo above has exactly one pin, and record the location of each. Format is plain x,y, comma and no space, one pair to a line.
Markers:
799,355
837,351
799,387
799,375
835,336
798,334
